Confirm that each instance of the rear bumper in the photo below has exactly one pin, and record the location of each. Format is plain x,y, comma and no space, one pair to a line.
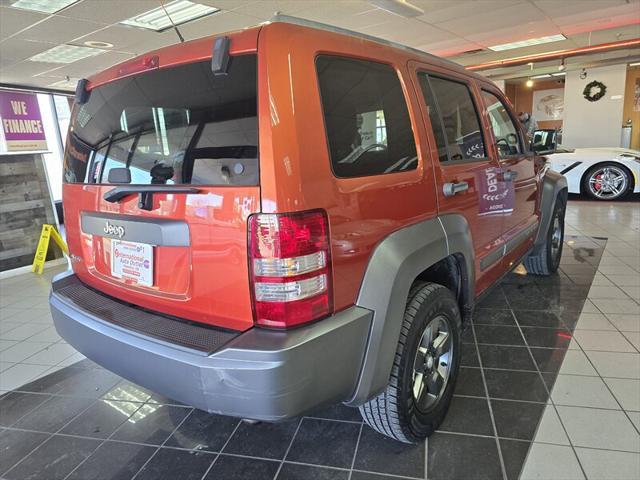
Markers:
259,374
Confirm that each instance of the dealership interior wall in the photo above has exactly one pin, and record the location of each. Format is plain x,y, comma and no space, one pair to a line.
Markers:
550,372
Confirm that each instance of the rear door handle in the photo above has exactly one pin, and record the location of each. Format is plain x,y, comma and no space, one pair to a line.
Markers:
450,189
509,176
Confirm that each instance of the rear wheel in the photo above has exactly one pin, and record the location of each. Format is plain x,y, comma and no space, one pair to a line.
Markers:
425,368
547,260
608,181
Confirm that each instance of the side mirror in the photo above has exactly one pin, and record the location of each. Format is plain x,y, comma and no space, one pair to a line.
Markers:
119,175
544,142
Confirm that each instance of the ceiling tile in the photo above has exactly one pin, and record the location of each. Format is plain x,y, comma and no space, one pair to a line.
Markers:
438,11
59,29
13,20
122,37
18,49
21,72
108,11
217,23
89,66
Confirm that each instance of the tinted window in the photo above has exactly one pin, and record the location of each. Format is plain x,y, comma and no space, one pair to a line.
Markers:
459,118
366,118
504,131
170,126
434,117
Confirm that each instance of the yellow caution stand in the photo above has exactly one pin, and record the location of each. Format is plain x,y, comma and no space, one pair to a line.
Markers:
48,232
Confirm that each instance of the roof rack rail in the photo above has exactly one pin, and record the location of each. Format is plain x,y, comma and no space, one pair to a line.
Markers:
331,28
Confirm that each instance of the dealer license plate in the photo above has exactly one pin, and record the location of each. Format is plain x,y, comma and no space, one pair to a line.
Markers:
132,261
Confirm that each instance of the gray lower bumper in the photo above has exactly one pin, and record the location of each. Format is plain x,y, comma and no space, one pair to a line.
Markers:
260,374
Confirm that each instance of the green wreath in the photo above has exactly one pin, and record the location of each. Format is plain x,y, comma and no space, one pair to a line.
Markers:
596,96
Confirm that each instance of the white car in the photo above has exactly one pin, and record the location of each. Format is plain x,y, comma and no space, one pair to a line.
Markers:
600,173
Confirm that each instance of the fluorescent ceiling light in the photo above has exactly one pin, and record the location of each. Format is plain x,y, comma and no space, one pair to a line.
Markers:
634,64
527,43
65,54
399,7
180,11
546,75
559,74
65,84
44,6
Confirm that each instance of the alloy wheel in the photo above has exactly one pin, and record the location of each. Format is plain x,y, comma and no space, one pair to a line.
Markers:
608,182
432,363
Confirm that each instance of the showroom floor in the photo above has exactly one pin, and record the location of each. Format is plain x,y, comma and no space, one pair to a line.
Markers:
549,389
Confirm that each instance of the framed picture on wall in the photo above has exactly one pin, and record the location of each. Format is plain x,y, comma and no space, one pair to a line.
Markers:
548,104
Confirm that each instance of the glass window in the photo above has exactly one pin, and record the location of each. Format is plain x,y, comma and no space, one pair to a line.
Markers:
459,118
504,131
366,118
434,117
180,125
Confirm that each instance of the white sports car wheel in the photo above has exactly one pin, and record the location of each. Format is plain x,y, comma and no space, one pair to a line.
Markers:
606,182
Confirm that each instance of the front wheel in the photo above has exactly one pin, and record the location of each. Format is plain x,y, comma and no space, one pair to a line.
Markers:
547,260
608,181
424,370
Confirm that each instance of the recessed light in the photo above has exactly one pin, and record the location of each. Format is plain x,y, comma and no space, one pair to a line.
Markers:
98,44
65,54
44,6
528,42
69,84
173,13
529,83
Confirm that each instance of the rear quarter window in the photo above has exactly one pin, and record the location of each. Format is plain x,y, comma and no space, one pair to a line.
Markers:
366,117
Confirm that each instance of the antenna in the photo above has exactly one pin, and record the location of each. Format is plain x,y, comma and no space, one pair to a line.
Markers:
175,27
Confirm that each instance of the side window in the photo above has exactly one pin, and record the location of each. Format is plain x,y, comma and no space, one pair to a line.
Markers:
434,116
504,131
459,118
366,118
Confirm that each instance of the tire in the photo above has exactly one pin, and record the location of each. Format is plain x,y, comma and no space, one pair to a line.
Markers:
618,181
546,261
395,412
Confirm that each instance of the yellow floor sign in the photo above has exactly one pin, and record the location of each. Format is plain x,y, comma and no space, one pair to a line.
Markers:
48,232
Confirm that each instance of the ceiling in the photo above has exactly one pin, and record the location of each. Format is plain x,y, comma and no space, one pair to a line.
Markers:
447,28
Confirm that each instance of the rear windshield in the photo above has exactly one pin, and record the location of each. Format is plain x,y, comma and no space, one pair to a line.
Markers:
179,125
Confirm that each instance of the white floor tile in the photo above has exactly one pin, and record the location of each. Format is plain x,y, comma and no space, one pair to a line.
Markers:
76,357
582,391
51,355
6,327
618,305
589,307
23,332
593,321
591,427
624,280
606,292
635,418
608,465
550,429
619,365
625,323
49,335
545,462
4,344
634,338
627,391
20,351
632,291
5,365
603,341
575,362
20,374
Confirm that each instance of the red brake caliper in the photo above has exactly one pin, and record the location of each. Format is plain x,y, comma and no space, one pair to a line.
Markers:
598,186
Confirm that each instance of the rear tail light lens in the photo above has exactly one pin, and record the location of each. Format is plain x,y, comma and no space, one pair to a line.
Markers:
290,268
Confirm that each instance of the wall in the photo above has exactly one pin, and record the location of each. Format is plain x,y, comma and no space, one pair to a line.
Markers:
521,97
633,75
25,205
594,124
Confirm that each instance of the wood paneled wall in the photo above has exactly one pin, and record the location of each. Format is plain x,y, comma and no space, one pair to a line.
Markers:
25,205
633,75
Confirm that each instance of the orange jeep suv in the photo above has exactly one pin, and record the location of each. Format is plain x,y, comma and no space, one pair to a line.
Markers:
270,221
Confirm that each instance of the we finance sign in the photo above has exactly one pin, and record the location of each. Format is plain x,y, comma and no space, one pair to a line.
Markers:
21,122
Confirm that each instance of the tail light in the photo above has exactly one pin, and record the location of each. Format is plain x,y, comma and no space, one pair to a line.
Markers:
290,268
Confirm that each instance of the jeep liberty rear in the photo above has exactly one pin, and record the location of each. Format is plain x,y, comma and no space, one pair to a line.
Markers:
271,221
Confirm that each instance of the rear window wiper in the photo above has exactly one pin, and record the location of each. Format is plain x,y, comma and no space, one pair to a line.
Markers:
145,192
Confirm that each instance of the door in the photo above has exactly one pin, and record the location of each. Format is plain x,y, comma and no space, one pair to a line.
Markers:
517,177
466,175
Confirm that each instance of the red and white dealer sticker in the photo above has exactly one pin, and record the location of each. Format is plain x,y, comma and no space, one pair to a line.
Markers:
132,261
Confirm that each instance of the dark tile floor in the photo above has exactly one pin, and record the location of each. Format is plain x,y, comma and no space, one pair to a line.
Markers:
84,423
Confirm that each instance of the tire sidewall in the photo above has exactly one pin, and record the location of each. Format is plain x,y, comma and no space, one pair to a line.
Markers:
421,424
558,211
